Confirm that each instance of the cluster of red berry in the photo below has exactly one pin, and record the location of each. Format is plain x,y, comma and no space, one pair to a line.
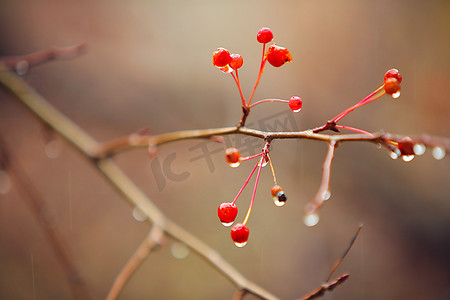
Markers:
276,56
228,211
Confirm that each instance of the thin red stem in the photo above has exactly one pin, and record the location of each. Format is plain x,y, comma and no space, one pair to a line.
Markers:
268,100
354,129
261,70
238,83
250,157
245,184
359,104
254,190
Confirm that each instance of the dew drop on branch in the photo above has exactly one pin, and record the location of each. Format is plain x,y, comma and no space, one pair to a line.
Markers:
52,149
326,195
419,149
394,155
311,220
179,250
234,165
22,67
139,214
5,182
438,153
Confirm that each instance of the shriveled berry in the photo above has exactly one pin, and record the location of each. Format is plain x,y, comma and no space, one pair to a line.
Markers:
295,103
393,73
406,146
227,213
239,234
391,85
232,155
279,197
221,57
275,190
236,61
264,35
278,56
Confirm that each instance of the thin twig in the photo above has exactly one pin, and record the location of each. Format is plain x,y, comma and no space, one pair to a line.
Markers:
150,243
37,204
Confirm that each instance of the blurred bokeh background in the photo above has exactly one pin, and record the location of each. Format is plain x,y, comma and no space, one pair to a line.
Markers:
149,66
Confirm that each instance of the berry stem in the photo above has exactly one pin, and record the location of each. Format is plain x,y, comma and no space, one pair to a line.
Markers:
254,189
354,129
238,83
360,103
261,70
250,157
272,169
268,100
245,184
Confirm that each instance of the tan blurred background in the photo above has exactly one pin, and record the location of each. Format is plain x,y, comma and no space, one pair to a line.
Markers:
149,65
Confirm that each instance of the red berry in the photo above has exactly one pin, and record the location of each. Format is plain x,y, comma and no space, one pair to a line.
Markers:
227,213
295,103
278,56
239,235
393,73
232,155
264,35
275,190
236,61
406,146
221,57
391,85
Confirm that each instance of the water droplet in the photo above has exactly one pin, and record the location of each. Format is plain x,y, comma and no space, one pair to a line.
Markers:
5,182
139,214
278,202
396,95
407,158
234,165
240,245
22,67
326,195
419,149
52,149
179,250
297,110
264,163
379,145
394,155
438,153
311,220
227,224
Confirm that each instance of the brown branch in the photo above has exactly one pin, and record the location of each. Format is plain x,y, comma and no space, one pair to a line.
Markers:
136,197
37,204
150,243
21,64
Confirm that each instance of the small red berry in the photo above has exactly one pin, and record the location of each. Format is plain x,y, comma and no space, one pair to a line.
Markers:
221,57
227,213
393,73
278,56
239,234
232,156
392,86
236,61
264,35
295,103
406,146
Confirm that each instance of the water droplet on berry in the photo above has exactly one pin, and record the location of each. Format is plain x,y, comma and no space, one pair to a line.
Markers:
407,158
311,220
227,224
326,195
297,110
438,153
52,149
394,155
234,165
396,95
139,214
240,245
419,149
179,250
5,182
